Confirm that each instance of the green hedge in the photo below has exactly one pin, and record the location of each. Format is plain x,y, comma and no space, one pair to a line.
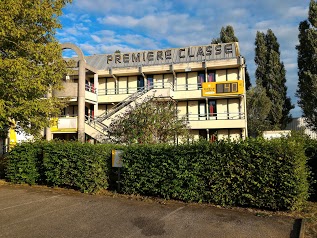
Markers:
311,153
25,163
85,167
257,173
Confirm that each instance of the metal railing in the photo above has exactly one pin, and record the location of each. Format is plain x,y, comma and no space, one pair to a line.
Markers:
90,88
99,126
187,87
122,104
132,90
213,116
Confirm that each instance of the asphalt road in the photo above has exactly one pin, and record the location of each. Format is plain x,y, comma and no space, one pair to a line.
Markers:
45,212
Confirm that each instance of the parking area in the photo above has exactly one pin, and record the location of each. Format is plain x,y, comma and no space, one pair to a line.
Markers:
46,212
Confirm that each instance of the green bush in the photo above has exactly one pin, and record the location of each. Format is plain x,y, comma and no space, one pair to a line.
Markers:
61,163
24,163
76,165
311,153
255,172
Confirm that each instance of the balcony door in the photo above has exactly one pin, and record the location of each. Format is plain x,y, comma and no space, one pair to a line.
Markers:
140,83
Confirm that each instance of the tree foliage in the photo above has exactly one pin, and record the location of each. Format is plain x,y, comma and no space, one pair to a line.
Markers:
307,66
258,108
148,122
226,36
31,62
271,74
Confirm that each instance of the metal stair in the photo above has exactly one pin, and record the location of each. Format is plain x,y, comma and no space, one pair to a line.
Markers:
97,127
97,123
121,104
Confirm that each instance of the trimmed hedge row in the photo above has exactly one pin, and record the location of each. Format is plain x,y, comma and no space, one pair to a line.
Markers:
65,164
255,172
311,153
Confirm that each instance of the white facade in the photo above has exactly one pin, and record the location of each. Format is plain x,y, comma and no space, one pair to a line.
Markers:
116,80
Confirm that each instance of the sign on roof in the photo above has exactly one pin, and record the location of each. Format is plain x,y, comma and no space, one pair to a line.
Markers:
169,56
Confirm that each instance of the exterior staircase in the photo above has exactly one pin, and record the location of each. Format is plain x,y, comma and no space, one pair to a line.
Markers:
97,127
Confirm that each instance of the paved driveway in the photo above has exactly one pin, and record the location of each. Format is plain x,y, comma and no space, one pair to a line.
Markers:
45,212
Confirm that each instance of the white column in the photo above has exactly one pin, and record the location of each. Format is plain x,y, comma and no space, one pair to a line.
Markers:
81,101
96,83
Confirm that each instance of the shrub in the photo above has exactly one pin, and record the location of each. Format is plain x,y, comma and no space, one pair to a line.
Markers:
255,172
59,163
24,163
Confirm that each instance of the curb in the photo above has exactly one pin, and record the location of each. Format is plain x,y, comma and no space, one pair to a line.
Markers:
302,228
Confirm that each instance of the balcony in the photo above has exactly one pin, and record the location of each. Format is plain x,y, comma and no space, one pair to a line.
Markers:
215,120
90,93
64,125
119,94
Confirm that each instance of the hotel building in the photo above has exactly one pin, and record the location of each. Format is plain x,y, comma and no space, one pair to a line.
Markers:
207,82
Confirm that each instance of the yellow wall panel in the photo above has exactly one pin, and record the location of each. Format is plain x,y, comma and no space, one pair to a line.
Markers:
221,75
234,108
102,83
158,80
232,74
132,83
222,109
192,81
181,81
193,110
182,108
110,85
101,108
122,81
168,80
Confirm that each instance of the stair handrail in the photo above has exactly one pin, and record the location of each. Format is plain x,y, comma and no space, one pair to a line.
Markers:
122,104
95,123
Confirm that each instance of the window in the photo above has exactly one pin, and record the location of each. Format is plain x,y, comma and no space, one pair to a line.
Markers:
212,108
201,78
140,82
149,82
202,110
211,76
213,134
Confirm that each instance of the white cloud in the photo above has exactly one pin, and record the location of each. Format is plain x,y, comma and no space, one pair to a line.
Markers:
96,38
139,41
135,7
91,49
297,11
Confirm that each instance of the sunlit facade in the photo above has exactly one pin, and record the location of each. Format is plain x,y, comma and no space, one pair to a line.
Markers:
207,82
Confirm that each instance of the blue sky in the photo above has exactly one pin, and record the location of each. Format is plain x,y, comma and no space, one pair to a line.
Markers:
104,26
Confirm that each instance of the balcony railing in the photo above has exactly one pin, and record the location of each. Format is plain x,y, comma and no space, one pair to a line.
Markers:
64,124
131,90
90,88
213,116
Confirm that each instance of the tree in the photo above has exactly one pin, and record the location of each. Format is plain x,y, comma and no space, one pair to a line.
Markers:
31,63
150,121
307,66
258,108
271,74
226,36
